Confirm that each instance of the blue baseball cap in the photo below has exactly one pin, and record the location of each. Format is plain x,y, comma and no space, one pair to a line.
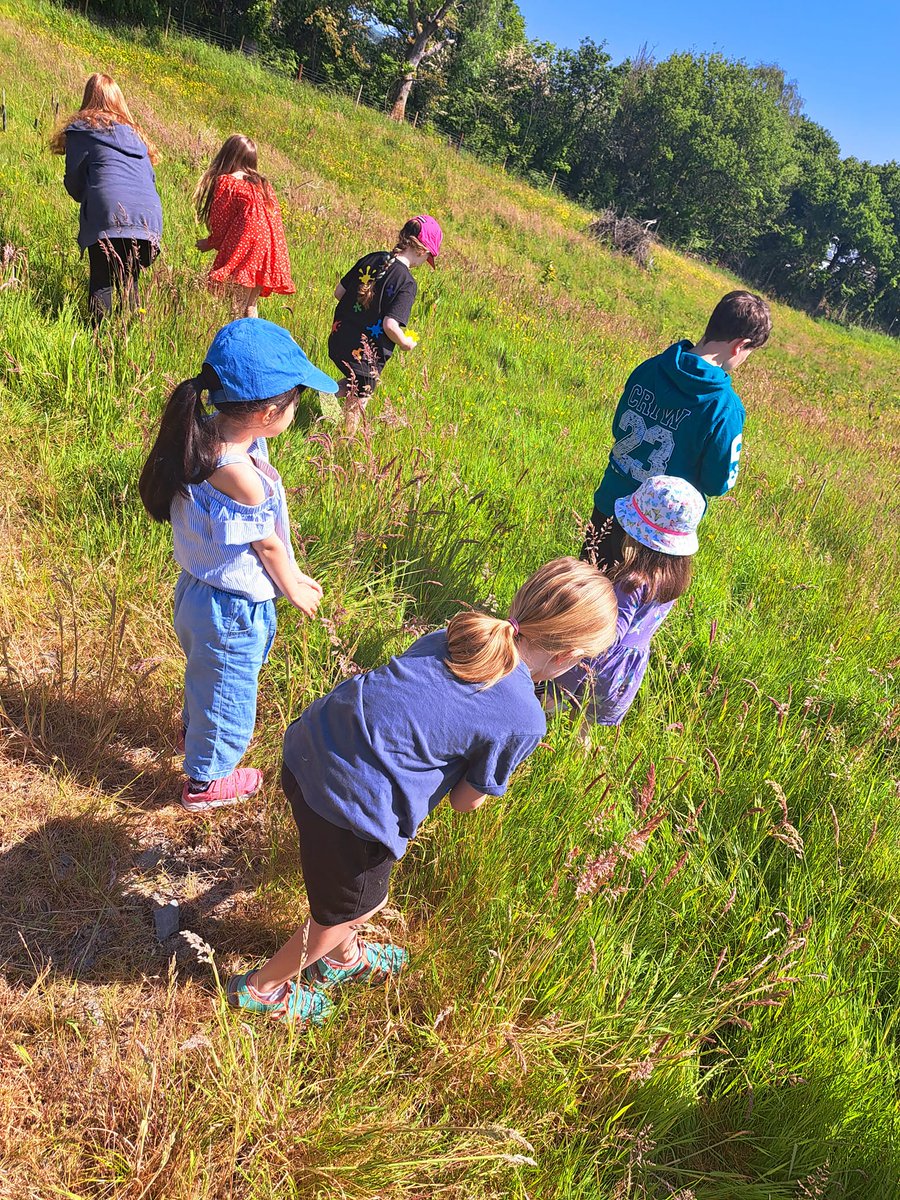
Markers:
257,359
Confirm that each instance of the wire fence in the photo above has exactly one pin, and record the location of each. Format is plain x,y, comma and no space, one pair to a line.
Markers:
360,93
373,96
370,95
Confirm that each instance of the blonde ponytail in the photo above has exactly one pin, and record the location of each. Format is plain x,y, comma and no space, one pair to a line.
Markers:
564,607
481,649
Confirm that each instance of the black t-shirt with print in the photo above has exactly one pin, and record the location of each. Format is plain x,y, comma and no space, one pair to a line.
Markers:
356,328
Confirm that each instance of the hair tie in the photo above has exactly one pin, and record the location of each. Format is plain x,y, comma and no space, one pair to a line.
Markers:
515,624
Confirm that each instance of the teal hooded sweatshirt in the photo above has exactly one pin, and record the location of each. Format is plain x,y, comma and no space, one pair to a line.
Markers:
678,415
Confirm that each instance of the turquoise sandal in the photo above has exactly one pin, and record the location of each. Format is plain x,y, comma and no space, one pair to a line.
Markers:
377,962
300,1003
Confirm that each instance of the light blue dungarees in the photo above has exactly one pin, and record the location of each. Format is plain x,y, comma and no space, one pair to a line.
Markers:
224,613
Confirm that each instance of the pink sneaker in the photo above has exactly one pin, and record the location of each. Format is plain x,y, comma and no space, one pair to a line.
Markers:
242,783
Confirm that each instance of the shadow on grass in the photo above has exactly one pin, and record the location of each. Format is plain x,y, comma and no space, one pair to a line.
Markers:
122,749
62,903
776,1135
77,897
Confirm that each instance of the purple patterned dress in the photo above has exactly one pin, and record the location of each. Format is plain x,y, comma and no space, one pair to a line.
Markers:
606,686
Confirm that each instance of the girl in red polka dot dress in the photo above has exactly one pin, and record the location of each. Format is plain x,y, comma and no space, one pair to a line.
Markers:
241,212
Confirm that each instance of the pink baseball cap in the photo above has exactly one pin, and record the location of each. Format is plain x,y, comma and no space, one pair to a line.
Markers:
430,235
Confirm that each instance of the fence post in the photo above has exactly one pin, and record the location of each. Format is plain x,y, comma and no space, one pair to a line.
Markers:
416,119
552,181
459,143
4,110
300,73
168,21
358,96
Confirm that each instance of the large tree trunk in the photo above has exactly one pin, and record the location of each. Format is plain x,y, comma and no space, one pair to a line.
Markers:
415,56
425,29
398,111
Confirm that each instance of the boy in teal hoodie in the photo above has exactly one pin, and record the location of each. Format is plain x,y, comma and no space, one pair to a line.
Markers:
679,415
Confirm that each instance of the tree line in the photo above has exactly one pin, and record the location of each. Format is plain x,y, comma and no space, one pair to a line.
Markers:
718,152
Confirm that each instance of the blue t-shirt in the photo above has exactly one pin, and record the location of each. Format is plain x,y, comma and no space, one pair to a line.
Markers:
378,753
679,415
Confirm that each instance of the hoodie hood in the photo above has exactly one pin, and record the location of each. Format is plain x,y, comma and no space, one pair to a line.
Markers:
116,137
109,173
689,375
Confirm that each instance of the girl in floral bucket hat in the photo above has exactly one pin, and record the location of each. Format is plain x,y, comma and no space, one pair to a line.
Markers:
375,300
660,521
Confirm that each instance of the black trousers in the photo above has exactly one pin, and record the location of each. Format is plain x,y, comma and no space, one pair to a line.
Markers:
115,264
603,541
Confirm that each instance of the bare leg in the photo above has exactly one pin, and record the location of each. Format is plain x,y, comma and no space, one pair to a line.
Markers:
250,309
244,302
311,942
354,410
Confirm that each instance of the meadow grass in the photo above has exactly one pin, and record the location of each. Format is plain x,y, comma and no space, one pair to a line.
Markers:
667,967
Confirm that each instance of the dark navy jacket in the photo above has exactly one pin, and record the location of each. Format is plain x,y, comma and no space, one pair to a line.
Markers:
679,415
109,173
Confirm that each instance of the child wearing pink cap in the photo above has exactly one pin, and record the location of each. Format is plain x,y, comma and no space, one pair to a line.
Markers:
375,299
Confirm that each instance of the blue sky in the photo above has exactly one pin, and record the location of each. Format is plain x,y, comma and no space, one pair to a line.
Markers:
844,57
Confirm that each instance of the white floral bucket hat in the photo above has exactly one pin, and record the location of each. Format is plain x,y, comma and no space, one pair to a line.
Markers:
663,514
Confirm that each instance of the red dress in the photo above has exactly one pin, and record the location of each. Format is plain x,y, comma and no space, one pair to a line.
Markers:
249,238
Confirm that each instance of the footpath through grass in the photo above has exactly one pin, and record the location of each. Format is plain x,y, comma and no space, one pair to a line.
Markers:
718,1019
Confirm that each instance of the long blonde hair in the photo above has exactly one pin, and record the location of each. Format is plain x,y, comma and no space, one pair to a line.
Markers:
237,153
102,105
564,606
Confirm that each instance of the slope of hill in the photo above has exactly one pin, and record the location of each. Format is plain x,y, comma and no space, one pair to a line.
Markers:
718,1021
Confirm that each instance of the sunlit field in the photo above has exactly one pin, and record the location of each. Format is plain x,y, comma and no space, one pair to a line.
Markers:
665,966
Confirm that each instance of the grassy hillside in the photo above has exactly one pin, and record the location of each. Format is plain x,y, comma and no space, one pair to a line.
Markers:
719,1021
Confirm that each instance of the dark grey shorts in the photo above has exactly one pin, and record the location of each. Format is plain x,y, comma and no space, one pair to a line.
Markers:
345,875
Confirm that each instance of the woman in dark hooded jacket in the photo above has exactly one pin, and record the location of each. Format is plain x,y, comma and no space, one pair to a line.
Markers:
109,172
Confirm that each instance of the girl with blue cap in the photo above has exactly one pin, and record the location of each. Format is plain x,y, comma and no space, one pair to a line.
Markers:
209,475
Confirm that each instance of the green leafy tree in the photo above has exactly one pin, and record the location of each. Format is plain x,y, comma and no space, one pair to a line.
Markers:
423,30
862,263
706,146
465,98
791,254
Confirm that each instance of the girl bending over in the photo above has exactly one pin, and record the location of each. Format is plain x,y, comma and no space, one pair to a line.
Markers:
452,716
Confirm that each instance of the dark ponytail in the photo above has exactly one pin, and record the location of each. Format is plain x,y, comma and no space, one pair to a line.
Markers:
406,238
186,447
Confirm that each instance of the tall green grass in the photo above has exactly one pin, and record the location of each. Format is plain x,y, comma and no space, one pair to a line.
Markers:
717,1018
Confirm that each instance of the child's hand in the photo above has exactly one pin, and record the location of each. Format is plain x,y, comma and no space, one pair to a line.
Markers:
203,244
306,595
402,338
